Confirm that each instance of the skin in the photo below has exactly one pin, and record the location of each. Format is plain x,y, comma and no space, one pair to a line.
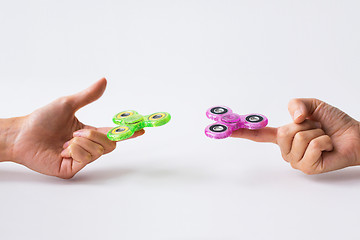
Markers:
321,138
52,141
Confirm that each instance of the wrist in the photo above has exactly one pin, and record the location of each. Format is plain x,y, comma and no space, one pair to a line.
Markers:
9,129
358,146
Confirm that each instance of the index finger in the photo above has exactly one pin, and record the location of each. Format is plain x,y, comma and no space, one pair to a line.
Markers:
105,130
267,134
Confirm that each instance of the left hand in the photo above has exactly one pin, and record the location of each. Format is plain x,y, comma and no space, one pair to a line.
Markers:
322,138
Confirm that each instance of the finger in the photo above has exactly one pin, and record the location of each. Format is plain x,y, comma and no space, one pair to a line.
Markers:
95,149
66,168
286,134
77,153
301,142
88,95
267,134
312,162
105,130
137,134
97,137
69,167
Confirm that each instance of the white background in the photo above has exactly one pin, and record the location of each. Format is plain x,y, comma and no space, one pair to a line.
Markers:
181,57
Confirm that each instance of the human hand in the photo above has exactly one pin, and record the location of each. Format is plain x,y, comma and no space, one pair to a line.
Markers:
322,138
52,141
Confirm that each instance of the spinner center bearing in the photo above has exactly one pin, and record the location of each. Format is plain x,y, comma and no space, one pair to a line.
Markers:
231,118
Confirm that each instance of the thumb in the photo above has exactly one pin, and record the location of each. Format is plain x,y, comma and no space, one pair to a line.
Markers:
303,108
88,95
331,118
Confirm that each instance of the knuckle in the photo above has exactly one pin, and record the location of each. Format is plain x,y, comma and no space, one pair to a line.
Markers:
293,101
88,157
65,103
308,171
72,146
113,146
283,132
317,104
285,157
311,169
315,144
316,101
328,139
91,134
76,140
294,165
66,175
100,150
300,136
321,131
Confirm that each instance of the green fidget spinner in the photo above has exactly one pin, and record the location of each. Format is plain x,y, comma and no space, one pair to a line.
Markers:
130,121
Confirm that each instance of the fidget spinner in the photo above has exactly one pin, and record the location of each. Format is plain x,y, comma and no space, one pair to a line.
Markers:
227,122
130,121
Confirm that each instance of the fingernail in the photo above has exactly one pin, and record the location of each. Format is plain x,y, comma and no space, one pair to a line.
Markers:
297,114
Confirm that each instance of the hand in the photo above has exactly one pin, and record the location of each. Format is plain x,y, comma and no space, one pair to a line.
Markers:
52,141
321,139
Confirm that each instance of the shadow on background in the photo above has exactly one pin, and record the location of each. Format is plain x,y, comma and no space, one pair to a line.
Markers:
94,176
141,174
25,176
342,176
158,174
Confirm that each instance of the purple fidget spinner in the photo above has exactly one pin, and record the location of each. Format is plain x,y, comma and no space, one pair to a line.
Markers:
227,122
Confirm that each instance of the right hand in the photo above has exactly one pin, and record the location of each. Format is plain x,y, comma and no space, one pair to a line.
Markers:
52,141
